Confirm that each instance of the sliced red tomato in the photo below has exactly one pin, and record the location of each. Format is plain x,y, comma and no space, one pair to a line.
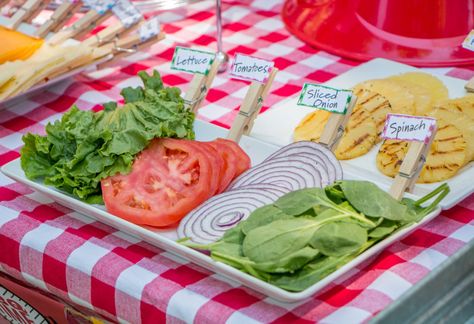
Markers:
217,165
229,168
243,160
168,179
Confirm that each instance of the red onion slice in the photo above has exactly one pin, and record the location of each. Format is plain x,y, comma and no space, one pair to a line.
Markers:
308,147
208,222
292,172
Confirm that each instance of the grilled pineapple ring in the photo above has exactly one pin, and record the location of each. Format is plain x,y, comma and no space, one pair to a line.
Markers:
447,155
359,137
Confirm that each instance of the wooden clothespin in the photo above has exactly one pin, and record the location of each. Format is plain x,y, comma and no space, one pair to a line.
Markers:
250,107
470,85
91,19
27,12
149,32
403,127
199,87
128,16
59,17
336,125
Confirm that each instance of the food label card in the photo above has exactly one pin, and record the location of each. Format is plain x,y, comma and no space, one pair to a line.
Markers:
192,60
126,12
101,6
325,98
408,128
250,68
149,29
469,41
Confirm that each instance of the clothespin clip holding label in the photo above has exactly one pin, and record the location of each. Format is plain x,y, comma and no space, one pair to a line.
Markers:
420,131
59,17
468,44
26,13
338,102
100,11
262,73
127,14
204,67
149,32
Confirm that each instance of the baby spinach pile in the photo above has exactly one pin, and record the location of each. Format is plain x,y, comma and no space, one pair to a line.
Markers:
85,147
307,234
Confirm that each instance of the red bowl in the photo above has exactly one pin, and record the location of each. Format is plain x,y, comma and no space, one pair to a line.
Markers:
416,32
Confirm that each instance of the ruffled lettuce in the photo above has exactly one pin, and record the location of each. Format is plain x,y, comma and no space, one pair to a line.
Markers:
85,147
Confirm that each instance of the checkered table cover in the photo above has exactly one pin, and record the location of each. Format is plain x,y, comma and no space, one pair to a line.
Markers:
122,278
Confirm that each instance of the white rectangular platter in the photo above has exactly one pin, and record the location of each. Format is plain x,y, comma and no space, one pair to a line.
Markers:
166,239
277,124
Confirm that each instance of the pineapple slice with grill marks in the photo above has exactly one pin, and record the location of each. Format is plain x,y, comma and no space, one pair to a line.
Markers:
358,139
463,122
447,155
380,97
463,105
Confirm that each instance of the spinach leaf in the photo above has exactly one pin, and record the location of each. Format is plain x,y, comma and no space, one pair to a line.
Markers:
300,201
290,262
384,229
310,273
338,238
262,216
278,239
370,200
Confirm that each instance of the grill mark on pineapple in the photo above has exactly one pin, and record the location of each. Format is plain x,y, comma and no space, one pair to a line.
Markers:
367,116
449,138
446,152
443,127
356,142
451,166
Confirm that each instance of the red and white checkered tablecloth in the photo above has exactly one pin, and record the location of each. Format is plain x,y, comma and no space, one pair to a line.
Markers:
122,278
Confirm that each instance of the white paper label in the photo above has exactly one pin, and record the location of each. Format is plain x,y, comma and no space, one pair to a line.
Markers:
469,41
408,128
325,98
126,12
101,6
149,29
251,68
192,60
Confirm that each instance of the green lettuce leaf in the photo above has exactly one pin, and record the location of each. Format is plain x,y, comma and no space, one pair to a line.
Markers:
85,147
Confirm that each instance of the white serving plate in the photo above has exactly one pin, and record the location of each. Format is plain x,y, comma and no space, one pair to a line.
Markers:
277,124
166,239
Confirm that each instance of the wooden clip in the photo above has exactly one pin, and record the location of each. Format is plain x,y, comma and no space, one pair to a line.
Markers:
128,45
59,17
199,87
336,125
27,12
105,35
411,167
470,85
81,27
250,107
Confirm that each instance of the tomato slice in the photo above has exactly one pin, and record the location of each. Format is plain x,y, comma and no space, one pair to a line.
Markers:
243,160
229,168
168,179
217,165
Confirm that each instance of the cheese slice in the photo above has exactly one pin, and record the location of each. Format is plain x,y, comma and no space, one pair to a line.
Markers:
16,45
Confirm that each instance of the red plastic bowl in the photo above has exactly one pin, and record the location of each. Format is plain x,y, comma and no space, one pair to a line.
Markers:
416,32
